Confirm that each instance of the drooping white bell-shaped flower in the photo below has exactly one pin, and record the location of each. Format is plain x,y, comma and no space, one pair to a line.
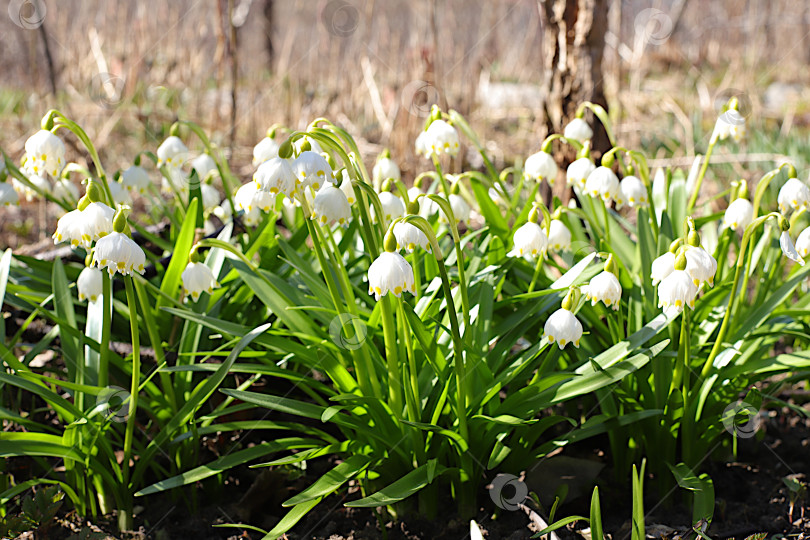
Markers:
562,326
266,149
45,154
803,243
578,129
605,287
37,180
197,279
385,168
541,166
632,193
117,252
392,206
390,273
662,267
97,221
172,153
441,138
794,195
276,176
578,172
729,124
135,178
312,169
789,249
8,196
249,198
604,183
420,145
331,206
89,284
346,186
65,190
678,289
739,215
119,194
204,165
69,229
700,265
210,196
410,236
559,237
530,240
461,209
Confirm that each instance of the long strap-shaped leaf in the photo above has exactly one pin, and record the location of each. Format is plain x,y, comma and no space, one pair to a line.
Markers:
331,481
402,488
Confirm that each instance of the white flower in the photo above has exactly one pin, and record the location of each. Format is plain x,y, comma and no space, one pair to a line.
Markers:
65,189
172,153
604,287
45,154
135,178
392,206
266,148
559,237
794,194
604,183
223,211
802,242
83,227
28,192
579,171
529,239
578,129
198,278
426,206
119,253
311,169
632,192
541,166
789,249
700,265
68,228
204,164
313,145
390,273
119,194
210,196
89,284
409,236
730,123
564,328
441,138
384,169
475,531
276,175
420,144
347,188
249,198
461,210
8,196
739,215
331,206
677,289
662,267
495,195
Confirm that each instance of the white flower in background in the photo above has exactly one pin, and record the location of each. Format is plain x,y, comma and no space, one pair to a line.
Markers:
678,289
559,237
172,153
312,169
266,149
604,183
700,265
563,327
426,206
249,198
604,287
8,196
662,267
346,187
461,209
197,279
174,183
384,169
117,252
413,193
410,236
802,242
392,206
789,249
331,206
210,196
530,240
541,166
494,194
729,124
579,171
441,138
578,129
632,192
313,145
223,211
45,153
89,284
28,192
794,195
420,145
68,229
119,194
275,176
204,164
64,189
390,273
739,215
135,178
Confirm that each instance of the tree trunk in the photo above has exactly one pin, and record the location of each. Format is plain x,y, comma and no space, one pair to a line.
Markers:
573,45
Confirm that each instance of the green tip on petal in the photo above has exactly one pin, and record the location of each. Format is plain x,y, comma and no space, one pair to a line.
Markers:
680,262
673,247
784,224
390,242
693,238
386,154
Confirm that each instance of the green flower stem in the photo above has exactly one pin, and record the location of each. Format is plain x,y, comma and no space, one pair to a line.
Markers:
460,121
157,345
106,321
699,181
747,273
763,183
444,204
537,267
125,517
442,179
602,115
391,356
222,165
417,274
412,398
607,222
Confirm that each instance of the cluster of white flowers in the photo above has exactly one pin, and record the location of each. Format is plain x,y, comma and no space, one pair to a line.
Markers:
681,271
439,138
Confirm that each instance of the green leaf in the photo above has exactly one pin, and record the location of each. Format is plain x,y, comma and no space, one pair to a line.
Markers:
5,267
402,488
596,516
63,302
497,224
171,279
292,517
331,481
